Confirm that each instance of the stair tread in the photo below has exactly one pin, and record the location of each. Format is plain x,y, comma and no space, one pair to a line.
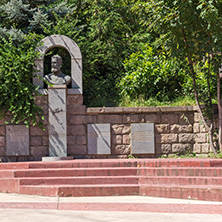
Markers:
118,176
111,168
203,177
202,162
179,186
62,169
178,167
77,177
83,185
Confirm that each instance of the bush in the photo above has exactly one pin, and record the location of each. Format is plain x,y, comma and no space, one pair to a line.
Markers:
106,31
202,69
152,73
16,88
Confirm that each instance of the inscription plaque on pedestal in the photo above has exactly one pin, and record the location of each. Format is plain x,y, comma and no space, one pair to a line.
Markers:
17,140
142,137
99,139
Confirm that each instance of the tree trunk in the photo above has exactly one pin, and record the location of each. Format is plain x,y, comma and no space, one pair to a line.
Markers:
209,129
219,114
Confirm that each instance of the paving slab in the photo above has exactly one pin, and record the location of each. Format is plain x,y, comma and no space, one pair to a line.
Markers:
98,216
26,208
10,197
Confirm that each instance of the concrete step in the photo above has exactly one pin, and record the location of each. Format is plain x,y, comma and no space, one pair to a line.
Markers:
181,171
9,185
120,171
7,173
69,172
122,180
184,178
91,163
79,180
185,162
68,164
178,180
213,193
81,190
196,192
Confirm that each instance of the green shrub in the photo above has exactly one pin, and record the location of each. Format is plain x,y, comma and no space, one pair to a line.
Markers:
202,69
152,73
16,88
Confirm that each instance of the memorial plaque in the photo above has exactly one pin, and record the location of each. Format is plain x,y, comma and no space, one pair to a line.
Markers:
99,139
142,137
17,140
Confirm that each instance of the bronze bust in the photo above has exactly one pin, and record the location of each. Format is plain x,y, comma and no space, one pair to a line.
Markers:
57,77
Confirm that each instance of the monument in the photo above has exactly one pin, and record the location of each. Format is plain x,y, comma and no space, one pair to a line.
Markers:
57,90
64,42
57,108
93,135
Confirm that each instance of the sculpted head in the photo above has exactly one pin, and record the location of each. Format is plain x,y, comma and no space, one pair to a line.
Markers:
57,77
56,62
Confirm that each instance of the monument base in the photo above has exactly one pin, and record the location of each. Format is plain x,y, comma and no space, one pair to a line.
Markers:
57,121
54,158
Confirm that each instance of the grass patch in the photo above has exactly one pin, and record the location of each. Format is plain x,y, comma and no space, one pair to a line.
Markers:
192,155
141,102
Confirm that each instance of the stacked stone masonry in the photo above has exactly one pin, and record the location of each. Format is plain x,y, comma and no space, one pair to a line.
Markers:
176,130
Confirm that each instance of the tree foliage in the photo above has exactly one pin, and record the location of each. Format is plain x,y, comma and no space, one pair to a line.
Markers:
152,73
191,29
106,31
125,44
16,88
110,35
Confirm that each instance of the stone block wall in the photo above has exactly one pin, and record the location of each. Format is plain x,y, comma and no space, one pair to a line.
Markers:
176,130
39,140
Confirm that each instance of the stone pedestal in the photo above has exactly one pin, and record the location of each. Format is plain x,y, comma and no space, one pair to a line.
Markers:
46,159
57,121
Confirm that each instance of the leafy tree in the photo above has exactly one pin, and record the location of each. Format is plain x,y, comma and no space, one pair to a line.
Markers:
107,32
29,15
17,55
111,30
16,88
151,73
191,29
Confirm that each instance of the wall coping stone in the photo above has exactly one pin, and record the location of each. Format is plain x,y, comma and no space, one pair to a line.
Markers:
125,110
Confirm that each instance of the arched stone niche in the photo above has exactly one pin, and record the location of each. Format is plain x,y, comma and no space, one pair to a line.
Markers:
76,61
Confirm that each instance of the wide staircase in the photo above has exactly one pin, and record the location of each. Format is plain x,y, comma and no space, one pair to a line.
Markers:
172,178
